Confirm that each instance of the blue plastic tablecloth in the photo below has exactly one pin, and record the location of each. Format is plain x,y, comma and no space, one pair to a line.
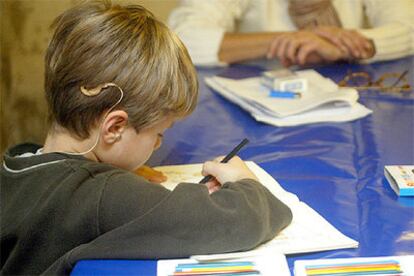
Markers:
336,168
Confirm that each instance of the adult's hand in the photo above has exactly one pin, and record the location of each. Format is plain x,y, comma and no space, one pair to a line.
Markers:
350,41
303,47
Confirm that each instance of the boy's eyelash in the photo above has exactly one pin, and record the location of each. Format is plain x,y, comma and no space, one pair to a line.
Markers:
160,135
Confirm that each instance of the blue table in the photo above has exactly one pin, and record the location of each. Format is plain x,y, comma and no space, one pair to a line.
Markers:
336,168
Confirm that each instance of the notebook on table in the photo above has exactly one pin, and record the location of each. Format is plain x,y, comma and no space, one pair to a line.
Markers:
323,101
308,232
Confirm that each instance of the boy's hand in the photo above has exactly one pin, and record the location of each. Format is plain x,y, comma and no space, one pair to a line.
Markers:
213,186
150,174
231,171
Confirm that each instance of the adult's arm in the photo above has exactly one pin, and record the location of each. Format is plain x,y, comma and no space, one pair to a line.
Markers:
236,47
208,30
202,25
392,28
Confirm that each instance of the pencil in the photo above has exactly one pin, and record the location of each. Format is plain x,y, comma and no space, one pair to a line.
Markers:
226,159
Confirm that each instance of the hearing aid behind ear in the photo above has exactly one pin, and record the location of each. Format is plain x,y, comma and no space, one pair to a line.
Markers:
91,93
96,90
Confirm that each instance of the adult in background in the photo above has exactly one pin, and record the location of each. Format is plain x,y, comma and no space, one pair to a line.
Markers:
295,31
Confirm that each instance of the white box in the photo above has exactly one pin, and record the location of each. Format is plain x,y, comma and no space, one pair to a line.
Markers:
284,80
401,179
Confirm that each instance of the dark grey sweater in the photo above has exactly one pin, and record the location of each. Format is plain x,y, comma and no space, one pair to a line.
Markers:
57,209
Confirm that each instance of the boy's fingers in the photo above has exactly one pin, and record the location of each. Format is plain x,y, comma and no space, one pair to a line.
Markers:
213,186
205,169
210,168
218,159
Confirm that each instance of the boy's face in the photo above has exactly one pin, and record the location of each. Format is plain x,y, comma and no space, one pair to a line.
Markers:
135,148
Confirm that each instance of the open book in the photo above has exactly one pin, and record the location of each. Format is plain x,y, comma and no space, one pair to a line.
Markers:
308,232
323,102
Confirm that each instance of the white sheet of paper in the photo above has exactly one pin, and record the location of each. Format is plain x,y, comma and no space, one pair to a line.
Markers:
308,232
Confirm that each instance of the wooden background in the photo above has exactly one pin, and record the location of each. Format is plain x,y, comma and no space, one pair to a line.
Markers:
24,36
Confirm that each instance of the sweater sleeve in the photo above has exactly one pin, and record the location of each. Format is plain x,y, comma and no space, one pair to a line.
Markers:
189,221
202,24
125,198
392,29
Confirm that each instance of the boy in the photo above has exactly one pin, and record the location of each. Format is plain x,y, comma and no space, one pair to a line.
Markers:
116,78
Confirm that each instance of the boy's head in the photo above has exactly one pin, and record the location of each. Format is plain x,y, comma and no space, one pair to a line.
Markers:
96,43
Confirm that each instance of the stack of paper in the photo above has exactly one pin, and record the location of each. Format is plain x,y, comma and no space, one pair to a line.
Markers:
323,102
308,232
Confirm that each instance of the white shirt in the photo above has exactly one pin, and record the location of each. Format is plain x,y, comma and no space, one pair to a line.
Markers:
201,24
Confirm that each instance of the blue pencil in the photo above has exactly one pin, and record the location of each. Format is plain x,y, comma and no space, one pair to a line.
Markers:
284,94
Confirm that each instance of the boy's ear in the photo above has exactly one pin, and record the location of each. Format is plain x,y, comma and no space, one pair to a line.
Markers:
113,126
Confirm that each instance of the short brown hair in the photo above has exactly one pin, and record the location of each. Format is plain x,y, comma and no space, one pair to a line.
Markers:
98,42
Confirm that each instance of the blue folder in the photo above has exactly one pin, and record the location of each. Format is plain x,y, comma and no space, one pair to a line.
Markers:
115,267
